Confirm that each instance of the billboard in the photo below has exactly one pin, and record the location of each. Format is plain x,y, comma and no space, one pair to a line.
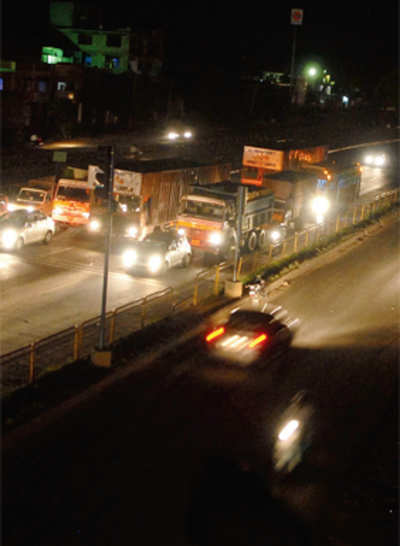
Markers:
127,182
263,158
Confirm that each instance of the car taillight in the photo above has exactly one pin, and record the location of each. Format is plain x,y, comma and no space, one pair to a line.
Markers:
215,333
257,340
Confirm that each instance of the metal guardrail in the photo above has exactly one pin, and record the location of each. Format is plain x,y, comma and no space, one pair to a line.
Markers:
25,365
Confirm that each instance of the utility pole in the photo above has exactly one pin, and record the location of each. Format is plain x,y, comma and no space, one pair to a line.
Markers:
102,355
296,19
239,204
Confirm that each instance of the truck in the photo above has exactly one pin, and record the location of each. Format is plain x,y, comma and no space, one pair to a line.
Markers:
307,187
208,215
73,196
36,194
147,193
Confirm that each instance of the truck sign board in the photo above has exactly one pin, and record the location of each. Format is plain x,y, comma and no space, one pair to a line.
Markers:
127,182
263,158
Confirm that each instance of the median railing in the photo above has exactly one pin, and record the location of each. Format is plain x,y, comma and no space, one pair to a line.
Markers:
25,365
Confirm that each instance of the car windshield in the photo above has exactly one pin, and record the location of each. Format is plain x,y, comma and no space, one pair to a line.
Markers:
15,219
148,246
202,208
74,194
30,195
247,320
163,237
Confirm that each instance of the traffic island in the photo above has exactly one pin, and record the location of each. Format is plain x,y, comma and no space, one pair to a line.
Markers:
102,358
233,289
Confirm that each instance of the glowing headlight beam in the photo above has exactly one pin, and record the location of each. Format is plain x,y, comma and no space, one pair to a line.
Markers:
288,430
154,263
129,258
8,238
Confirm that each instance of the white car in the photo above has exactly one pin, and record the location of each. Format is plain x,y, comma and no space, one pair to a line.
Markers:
158,252
22,227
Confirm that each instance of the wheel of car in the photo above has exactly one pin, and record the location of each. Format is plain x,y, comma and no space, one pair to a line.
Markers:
19,244
48,237
252,241
186,260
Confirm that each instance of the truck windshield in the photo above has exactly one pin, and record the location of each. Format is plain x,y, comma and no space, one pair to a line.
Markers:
68,193
29,195
201,208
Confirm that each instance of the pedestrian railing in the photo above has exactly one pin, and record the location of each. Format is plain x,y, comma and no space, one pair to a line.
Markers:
25,365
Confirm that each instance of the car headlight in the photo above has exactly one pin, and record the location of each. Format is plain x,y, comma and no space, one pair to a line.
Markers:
129,258
11,207
154,263
320,205
287,432
172,135
379,160
187,134
215,238
30,209
275,236
9,237
94,225
368,159
132,231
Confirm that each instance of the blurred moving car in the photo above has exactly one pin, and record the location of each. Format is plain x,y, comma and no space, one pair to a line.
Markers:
22,227
249,337
158,252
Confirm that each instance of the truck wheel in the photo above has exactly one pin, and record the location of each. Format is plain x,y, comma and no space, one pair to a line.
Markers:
48,237
263,239
251,242
19,244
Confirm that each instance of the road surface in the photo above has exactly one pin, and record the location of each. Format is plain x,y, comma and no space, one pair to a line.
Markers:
48,289
149,461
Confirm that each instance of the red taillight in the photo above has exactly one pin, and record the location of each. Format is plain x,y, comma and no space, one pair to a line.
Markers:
257,340
215,333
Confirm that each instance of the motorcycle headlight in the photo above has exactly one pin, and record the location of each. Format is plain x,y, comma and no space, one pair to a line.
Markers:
8,238
129,258
132,231
94,225
154,263
215,238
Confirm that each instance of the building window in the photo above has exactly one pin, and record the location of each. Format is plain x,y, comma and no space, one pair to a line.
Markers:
84,39
112,62
42,86
61,86
113,40
88,60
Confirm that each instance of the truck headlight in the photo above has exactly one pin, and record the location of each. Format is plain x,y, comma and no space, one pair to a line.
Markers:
215,238
187,134
132,231
275,236
94,225
172,135
129,258
154,263
9,237
320,205
181,231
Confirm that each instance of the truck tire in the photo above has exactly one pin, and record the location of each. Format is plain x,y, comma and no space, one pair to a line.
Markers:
263,239
251,242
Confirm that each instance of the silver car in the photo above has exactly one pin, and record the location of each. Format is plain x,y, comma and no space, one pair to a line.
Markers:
158,252
22,227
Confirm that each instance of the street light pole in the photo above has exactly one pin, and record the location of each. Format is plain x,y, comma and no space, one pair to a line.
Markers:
239,205
292,65
107,249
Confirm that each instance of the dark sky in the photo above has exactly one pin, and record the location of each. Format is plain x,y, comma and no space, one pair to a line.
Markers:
342,35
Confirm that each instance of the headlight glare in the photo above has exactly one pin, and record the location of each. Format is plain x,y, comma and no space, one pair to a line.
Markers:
320,205
154,263
215,238
94,225
129,258
132,231
9,237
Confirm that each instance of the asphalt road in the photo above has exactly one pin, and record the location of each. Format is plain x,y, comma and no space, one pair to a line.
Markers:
153,460
48,289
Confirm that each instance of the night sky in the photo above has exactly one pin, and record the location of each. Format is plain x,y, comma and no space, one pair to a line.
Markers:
345,37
